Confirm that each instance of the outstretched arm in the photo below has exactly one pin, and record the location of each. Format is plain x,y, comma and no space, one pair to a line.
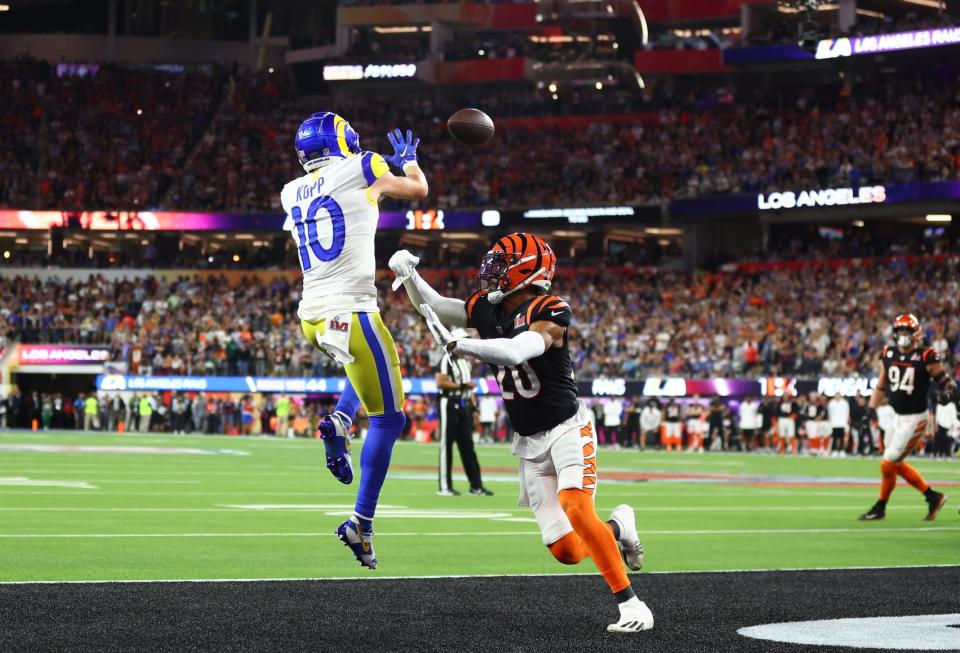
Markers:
499,351
449,310
512,351
413,186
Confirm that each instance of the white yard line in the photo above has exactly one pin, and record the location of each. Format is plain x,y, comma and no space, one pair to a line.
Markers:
374,578
312,508
771,531
123,482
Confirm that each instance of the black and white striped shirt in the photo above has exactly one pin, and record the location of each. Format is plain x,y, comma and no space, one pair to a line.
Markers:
458,372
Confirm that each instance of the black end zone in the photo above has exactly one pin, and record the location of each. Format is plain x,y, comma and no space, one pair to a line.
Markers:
693,612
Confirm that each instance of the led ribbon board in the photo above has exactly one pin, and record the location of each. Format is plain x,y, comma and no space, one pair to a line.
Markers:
853,46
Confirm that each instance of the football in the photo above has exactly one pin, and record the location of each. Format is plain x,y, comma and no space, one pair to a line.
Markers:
470,127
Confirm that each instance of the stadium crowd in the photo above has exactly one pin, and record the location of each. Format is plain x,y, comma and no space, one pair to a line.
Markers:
228,147
804,320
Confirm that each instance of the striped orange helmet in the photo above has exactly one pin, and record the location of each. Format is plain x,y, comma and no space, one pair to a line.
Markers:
515,262
908,322
906,330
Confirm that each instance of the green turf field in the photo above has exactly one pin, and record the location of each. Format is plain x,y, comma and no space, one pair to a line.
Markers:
262,508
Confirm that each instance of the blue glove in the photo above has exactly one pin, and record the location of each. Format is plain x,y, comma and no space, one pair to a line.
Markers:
404,150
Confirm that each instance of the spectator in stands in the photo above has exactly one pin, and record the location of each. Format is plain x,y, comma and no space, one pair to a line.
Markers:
707,142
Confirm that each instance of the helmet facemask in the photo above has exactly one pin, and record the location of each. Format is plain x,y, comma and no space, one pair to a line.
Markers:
493,269
494,279
904,338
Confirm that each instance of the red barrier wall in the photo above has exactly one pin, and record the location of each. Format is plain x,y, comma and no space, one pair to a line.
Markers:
680,61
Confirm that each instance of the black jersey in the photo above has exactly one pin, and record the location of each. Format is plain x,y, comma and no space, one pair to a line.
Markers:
908,382
542,392
788,409
815,412
672,413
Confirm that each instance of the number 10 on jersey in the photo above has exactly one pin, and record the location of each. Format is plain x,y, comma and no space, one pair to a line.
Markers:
524,380
308,240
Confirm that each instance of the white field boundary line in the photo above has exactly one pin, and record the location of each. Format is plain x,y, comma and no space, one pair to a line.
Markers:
772,531
371,578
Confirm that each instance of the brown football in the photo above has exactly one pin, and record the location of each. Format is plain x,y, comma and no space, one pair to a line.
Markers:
470,127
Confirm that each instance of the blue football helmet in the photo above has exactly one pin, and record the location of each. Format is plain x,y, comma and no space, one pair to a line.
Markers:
325,136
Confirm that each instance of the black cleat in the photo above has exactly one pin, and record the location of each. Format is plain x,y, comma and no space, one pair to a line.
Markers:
481,492
877,512
934,503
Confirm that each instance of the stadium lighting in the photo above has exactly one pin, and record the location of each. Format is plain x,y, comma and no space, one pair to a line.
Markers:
939,217
270,70
139,112
481,52
552,88
6,252
401,29
236,258
5,8
933,4
858,223
599,86
555,96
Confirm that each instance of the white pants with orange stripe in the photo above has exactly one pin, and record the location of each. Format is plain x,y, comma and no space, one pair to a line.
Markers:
563,458
906,434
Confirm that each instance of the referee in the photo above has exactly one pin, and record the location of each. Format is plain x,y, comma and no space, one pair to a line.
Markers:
456,413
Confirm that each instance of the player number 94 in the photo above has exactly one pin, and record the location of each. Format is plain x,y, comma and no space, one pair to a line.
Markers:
901,380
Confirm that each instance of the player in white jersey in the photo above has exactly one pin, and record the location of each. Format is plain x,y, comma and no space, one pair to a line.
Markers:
332,216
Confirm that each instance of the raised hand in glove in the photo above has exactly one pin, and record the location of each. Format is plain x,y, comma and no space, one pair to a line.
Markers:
403,264
404,149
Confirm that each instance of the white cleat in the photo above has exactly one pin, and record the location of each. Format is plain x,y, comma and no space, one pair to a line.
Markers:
630,548
634,617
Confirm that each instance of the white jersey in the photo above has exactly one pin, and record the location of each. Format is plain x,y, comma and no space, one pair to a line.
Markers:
611,412
750,415
650,418
488,409
333,222
838,409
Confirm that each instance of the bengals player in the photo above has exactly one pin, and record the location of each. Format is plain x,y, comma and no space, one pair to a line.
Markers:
524,337
905,374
